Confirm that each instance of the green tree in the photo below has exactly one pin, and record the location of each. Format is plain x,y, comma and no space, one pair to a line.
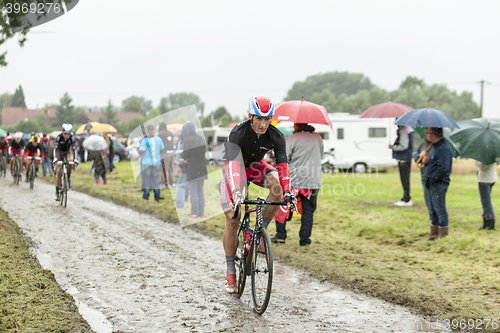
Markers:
12,21
179,100
224,120
5,100
206,122
41,119
28,126
109,115
335,82
18,98
133,104
81,116
65,111
220,112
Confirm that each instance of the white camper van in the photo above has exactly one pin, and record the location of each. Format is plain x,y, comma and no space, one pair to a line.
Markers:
357,143
214,136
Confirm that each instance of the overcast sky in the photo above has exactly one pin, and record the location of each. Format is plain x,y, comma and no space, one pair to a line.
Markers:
227,51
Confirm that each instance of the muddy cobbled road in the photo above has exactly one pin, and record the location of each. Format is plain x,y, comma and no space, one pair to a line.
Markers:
130,272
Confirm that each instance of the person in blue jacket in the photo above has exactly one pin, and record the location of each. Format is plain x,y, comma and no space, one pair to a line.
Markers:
437,180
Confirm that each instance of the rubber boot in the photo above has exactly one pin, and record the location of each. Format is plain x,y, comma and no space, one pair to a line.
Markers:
434,233
490,222
97,180
105,181
484,224
443,232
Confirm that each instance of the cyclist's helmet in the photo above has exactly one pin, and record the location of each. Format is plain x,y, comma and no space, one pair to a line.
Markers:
18,136
66,128
35,138
261,106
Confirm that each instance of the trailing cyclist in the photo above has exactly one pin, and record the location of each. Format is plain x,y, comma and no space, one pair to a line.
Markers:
252,139
17,147
64,146
33,152
3,146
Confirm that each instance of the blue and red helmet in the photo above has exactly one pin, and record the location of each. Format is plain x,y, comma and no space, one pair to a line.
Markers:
261,106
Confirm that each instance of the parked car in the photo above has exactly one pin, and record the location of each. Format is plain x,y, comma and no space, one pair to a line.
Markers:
121,152
214,157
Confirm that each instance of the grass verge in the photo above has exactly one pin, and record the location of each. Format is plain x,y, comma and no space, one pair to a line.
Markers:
30,298
364,243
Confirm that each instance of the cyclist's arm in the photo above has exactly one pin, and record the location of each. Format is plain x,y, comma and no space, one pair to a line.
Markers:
233,150
282,165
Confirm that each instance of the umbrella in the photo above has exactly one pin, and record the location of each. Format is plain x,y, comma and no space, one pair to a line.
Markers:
86,127
301,112
478,139
386,110
97,127
426,118
446,134
3,132
95,143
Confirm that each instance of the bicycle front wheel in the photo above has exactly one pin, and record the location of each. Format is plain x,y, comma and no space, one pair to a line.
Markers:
32,175
262,270
64,190
239,261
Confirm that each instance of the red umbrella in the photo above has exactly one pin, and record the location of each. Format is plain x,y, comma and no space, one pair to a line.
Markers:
386,110
301,112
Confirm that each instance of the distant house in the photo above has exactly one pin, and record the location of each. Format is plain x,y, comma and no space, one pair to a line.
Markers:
12,115
120,116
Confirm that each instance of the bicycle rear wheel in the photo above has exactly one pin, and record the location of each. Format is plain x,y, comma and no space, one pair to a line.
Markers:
262,270
240,260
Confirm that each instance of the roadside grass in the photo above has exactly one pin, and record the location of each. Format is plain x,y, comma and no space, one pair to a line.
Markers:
362,242
30,298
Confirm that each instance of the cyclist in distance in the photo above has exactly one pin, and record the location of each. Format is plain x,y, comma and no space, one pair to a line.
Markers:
33,151
3,146
64,146
252,139
17,147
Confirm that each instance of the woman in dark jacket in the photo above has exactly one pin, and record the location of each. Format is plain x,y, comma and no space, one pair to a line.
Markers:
193,158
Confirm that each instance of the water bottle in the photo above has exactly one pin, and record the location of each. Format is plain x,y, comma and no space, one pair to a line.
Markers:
248,239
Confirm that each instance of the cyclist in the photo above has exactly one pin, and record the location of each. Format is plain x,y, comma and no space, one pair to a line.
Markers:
32,152
3,146
17,147
64,146
252,138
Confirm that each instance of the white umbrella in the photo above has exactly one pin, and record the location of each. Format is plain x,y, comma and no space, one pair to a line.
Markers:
95,143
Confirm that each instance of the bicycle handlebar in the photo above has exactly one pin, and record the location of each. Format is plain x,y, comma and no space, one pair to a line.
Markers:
262,202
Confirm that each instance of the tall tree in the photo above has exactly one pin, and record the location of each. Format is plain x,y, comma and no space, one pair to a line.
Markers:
335,82
18,98
220,112
109,115
65,111
178,100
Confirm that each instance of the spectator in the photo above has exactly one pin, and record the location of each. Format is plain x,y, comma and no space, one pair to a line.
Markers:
100,166
182,188
424,160
304,149
168,157
402,152
150,150
111,150
486,178
193,155
437,180
45,147
52,143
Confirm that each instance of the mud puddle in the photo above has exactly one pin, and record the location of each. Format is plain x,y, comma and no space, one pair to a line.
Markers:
129,272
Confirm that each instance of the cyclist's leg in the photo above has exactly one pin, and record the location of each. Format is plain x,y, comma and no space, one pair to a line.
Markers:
20,159
58,156
265,175
29,160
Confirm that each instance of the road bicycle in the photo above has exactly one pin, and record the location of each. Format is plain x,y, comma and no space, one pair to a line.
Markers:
64,181
254,255
32,171
3,164
16,172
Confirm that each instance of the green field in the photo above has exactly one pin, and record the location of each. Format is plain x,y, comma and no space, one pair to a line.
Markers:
362,242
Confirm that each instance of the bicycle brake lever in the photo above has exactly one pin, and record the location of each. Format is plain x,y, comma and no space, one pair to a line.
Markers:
290,213
237,206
